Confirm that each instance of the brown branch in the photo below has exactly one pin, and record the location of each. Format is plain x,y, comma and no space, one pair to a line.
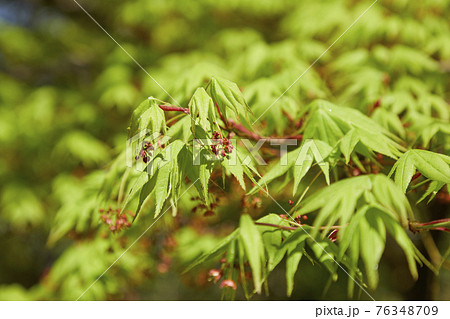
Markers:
239,127
437,221
414,227
244,130
256,136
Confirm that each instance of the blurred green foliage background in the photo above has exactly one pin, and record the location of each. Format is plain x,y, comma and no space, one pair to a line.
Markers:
67,92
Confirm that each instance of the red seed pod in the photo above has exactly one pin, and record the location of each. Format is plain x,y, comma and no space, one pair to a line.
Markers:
283,216
377,104
146,144
214,275
228,149
291,202
228,283
256,202
305,217
146,159
208,213
333,235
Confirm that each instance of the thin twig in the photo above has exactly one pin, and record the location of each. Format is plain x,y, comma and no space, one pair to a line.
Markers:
295,228
416,226
173,108
239,127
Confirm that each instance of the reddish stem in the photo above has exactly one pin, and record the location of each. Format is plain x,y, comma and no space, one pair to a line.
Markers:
220,113
241,128
255,136
294,228
232,123
416,227
416,176
173,108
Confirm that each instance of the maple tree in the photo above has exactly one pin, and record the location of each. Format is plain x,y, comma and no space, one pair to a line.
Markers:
244,174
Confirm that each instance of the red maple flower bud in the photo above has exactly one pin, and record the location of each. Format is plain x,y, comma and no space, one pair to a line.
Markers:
228,149
333,235
228,283
356,172
146,144
377,104
208,213
214,275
